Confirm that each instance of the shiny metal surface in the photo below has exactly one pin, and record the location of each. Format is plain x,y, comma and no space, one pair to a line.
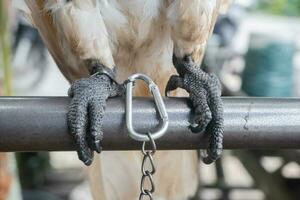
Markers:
159,103
35,124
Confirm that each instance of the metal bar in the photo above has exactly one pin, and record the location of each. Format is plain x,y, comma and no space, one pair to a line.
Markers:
39,124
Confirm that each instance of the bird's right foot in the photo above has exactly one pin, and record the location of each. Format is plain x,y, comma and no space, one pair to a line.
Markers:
85,115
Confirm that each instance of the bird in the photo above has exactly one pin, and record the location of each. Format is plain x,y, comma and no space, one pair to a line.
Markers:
97,44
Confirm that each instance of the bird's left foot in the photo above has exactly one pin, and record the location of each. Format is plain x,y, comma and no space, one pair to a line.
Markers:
205,94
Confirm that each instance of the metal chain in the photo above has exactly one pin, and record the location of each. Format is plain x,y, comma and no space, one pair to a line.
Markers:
148,172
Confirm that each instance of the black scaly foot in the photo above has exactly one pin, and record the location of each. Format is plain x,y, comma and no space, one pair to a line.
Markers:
87,108
205,94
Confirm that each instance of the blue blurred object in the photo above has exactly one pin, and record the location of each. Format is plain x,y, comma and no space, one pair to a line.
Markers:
269,67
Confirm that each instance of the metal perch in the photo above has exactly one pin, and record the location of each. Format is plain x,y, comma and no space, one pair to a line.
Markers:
39,124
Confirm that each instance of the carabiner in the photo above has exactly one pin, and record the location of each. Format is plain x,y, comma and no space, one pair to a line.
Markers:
158,102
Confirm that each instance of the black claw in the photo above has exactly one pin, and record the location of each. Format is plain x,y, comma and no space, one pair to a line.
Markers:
97,146
208,160
84,153
198,129
87,160
173,83
94,144
212,155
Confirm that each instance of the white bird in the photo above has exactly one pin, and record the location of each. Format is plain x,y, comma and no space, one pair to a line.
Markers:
94,36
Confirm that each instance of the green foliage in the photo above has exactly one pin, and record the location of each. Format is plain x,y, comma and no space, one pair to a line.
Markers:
280,7
5,48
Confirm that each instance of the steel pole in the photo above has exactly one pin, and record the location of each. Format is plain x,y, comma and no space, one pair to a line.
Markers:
39,124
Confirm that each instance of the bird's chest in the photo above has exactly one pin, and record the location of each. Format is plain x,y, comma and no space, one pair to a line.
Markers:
133,23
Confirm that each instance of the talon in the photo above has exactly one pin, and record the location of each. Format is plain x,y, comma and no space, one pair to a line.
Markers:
173,83
197,128
94,144
84,153
98,147
88,161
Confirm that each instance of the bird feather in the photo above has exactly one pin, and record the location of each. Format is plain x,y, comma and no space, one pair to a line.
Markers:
135,36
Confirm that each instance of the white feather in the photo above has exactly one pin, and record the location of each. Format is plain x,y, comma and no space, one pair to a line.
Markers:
21,5
136,36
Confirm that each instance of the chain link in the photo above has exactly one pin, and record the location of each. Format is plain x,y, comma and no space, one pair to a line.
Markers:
148,172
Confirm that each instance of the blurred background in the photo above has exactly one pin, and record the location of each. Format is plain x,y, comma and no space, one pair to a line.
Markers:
255,52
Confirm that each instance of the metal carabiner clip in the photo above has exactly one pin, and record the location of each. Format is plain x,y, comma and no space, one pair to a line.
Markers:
158,102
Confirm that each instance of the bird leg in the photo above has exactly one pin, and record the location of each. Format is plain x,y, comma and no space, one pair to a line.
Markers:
85,116
205,95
